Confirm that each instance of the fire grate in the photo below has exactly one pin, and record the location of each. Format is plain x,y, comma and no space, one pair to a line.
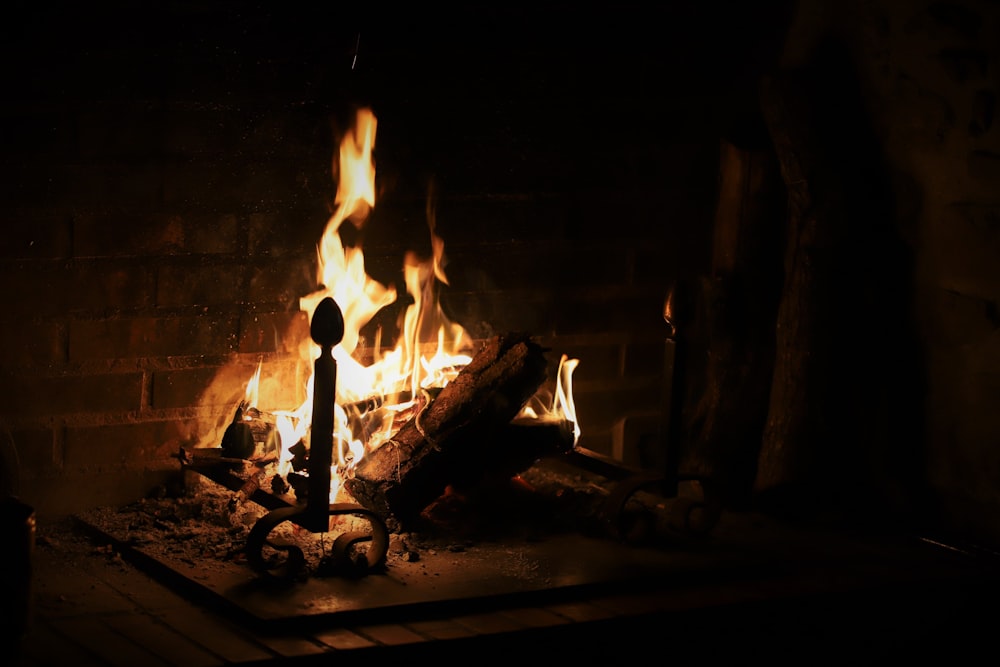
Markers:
517,546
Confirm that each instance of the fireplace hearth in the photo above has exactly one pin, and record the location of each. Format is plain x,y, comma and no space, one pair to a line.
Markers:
147,582
195,545
809,185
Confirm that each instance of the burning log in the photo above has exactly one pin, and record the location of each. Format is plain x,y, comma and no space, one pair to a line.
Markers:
251,486
455,439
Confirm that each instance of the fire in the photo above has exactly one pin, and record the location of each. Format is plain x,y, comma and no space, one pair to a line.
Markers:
372,400
369,396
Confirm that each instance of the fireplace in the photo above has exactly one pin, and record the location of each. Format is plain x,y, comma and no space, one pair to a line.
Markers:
168,181
177,221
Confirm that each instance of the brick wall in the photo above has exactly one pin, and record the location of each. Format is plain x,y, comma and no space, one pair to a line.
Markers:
167,180
165,185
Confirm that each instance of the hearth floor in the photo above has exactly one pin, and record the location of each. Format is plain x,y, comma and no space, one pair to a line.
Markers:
756,588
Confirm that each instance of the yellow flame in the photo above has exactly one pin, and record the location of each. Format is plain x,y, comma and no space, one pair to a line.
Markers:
430,350
563,404
251,396
412,364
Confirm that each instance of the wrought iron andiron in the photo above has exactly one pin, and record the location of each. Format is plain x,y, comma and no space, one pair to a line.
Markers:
326,329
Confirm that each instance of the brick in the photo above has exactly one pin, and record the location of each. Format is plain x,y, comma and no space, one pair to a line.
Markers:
488,623
101,285
229,182
42,288
282,281
39,130
127,338
187,388
93,185
602,442
637,604
464,223
295,129
34,182
212,234
391,634
657,264
644,359
278,235
591,266
35,235
487,312
580,612
291,646
76,489
37,396
534,617
599,409
192,130
126,130
197,285
273,332
440,629
282,386
35,449
120,232
123,233
283,383
537,266
129,444
32,344
597,361
613,310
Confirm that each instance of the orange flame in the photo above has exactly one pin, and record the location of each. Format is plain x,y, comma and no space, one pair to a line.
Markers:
430,351
341,275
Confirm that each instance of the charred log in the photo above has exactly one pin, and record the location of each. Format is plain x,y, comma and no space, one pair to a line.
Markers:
454,440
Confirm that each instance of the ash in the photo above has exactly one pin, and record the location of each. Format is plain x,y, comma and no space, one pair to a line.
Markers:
201,525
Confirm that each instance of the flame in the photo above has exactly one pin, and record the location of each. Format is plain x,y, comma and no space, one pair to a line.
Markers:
406,369
430,352
560,405
251,397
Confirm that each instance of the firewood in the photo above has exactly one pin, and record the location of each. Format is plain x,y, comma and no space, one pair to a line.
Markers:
454,438
741,300
813,437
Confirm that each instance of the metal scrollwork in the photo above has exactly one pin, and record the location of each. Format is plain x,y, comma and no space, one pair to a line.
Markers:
343,558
